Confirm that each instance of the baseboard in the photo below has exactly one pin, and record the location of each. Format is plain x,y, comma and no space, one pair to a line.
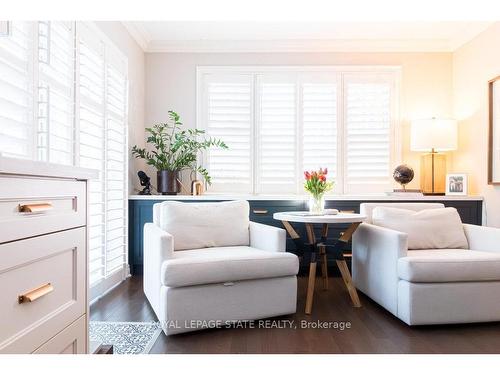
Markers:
108,284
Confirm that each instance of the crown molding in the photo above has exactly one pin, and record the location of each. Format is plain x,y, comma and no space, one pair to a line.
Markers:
467,34
139,33
142,36
283,46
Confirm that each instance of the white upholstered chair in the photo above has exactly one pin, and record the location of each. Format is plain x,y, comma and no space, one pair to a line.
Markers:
403,271
206,264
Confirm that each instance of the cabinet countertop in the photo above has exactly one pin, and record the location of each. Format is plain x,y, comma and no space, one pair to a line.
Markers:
257,197
43,169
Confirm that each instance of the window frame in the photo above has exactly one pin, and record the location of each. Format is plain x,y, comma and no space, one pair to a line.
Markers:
93,32
339,72
114,59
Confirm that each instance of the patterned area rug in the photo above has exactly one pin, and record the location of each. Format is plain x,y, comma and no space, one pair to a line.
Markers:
126,337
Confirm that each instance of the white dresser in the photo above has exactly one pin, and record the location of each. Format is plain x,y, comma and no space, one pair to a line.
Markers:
43,257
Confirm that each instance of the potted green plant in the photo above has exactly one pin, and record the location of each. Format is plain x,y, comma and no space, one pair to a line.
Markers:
173,150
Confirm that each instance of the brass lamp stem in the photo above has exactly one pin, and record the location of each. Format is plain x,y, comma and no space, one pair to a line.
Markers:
433,152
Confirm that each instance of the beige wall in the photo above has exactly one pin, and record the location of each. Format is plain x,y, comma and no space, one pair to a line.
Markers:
136,75
426,82
474,64
432,84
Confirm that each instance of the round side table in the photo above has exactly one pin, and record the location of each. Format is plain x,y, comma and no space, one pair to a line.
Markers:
321,247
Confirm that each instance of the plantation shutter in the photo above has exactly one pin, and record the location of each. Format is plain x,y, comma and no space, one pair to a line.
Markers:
116,161
369,115
277,131
290,119
92,144
16,90
56,74
103,146
319,125
228,114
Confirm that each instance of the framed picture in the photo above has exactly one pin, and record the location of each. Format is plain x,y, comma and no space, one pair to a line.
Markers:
456,184
4,28
494,132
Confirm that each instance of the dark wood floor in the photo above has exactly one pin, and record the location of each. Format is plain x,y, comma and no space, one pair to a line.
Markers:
373,330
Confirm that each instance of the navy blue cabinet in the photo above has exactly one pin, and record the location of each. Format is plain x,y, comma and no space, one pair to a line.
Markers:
261,211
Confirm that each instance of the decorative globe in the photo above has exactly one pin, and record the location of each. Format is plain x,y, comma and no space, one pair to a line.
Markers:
403,174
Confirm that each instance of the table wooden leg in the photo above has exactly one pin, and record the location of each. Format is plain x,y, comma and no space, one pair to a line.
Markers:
324,267
310,284
312,269
346,276
324,257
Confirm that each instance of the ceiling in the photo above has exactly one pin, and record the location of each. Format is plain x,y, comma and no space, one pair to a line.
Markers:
214,36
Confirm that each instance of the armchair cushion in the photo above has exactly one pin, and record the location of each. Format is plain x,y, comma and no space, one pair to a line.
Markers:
449,265
226,264
367,208
202,225
439,228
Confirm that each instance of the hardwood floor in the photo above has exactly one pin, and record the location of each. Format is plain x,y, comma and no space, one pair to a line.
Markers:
373,330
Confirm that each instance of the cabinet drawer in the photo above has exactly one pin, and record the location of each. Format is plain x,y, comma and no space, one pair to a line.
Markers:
55,204
262,211
71,340
43,283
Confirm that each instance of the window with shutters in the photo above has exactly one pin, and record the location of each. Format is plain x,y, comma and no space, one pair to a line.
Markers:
17,135
63,100
280,121
276,130
229,114
102,135
56,77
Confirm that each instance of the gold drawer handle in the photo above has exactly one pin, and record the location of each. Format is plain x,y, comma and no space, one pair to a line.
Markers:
260,212
34,294
35,207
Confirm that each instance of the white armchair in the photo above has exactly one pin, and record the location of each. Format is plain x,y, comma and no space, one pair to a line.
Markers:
428,286
206,264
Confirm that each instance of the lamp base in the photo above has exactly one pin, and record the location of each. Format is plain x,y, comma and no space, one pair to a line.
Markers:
433,174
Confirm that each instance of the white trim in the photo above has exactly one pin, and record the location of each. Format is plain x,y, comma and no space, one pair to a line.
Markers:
139,33
99,290
207,69
293,46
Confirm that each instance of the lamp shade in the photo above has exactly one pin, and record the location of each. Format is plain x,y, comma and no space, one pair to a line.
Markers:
433,134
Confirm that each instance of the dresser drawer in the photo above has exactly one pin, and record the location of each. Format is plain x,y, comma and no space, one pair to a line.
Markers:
55,205
43,284
71,340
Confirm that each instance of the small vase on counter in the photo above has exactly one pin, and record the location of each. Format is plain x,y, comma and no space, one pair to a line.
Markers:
317,185
317,204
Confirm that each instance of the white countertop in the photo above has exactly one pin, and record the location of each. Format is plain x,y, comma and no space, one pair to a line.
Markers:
258,197
340,218
44,169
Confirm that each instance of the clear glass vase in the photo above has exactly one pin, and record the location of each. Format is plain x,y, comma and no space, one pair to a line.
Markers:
316,204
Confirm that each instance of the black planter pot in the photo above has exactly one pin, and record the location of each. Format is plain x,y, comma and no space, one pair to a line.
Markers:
168,182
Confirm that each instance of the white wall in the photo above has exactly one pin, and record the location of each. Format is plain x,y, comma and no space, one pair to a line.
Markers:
474,64
425,86
136,74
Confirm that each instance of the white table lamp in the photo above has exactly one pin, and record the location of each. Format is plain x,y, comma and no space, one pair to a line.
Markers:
433,136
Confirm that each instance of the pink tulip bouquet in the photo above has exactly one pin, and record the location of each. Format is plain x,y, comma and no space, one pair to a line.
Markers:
317,185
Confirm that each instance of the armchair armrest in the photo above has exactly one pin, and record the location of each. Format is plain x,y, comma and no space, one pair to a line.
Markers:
482,238
158,247
267,237
375,254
